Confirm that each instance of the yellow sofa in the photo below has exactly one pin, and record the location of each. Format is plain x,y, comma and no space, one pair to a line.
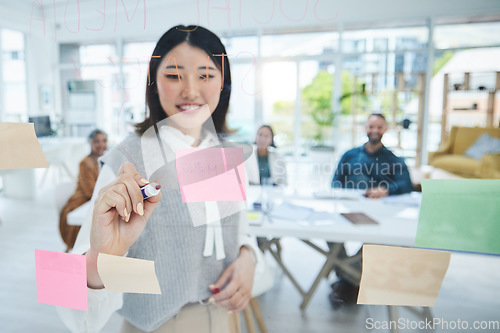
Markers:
452,159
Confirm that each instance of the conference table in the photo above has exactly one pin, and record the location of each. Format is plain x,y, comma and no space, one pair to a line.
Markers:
315,218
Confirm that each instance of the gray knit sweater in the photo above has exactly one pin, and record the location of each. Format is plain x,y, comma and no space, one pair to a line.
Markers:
174,244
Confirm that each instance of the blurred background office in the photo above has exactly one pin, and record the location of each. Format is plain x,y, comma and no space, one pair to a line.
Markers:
312,70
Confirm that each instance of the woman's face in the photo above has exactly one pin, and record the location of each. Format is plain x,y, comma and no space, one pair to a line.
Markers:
264,137
99,144
189,85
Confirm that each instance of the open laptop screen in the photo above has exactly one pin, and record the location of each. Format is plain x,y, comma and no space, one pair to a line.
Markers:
42,125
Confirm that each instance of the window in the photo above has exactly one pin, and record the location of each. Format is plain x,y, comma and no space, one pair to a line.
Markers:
279,88
381,40
241,47
241,116
14,105
91,75
299,44
316,83
136,57
467,35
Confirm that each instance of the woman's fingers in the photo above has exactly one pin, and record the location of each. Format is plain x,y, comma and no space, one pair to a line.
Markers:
237,301
128,186
129,176
112,199
243,302
133,191
231,302
226,294
121,189
224,278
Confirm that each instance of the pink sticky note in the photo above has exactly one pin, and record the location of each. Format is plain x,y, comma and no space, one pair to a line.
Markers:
212,174
61,279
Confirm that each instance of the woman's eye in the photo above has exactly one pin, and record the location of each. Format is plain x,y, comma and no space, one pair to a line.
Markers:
172,76
204,77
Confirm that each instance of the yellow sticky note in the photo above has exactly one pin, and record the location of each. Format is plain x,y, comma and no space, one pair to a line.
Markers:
253,216
19,147
395,275
130,275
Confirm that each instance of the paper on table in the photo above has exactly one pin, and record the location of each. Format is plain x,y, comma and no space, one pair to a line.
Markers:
61,279
290,211
211,174
19,147
460,214
408,213
401,276
408,199
340,194
130,275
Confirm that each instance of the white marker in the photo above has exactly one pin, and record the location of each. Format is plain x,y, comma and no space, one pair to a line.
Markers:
150,190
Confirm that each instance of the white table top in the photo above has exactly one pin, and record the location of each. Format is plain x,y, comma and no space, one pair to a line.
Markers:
397,221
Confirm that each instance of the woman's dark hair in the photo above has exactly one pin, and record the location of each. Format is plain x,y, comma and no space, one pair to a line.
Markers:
195,36
272,134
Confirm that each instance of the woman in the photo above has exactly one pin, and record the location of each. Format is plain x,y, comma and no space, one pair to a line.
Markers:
267,166
189,84
87,177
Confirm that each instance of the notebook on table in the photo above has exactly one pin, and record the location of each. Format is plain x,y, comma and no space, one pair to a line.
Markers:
359,218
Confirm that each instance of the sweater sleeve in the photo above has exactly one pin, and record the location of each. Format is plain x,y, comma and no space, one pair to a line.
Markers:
101,303
401,182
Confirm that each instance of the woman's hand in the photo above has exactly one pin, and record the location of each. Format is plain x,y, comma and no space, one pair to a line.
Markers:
119,217
239,279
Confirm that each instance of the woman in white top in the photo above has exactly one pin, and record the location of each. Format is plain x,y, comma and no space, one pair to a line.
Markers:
266,166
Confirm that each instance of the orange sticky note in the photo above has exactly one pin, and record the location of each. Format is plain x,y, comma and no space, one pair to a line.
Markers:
395,275
19,147
212,174
61,279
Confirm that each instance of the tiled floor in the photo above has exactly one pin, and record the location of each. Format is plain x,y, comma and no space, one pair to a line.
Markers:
470,292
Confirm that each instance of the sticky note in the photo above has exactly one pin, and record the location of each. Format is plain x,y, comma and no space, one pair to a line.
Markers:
211,174
19,147
61,279
253,216
460,214
401,276
130,275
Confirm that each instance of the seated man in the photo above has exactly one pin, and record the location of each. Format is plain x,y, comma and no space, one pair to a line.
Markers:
372,167
375,169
